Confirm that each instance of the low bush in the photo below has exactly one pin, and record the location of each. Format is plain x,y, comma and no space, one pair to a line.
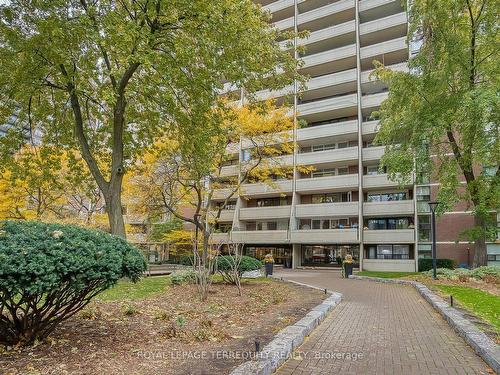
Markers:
426,264
487,273
226,265
183,277
49,272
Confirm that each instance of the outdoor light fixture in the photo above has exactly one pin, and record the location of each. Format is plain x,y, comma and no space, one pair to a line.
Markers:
433,206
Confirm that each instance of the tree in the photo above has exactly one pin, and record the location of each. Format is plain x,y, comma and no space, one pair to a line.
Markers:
444,111
38,185
180,177
108,77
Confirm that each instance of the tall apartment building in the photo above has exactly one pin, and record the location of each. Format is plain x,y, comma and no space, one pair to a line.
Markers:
346,205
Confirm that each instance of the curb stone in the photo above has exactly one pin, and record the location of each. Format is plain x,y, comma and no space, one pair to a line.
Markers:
485,347
274,354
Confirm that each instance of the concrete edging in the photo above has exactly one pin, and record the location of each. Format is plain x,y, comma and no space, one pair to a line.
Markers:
485,347
274,354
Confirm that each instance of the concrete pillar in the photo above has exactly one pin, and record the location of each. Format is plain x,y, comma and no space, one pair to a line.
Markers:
296,256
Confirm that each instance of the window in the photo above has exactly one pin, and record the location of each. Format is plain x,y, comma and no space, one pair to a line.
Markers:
387,197
331,197
424,228
372,170
424,251
423,193
388,252
343,144
342,171
323,147
493,257
389,223
323,172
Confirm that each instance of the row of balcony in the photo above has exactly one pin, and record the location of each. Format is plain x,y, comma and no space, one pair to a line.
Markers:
340,209
313,15
317,236
310,185
342,155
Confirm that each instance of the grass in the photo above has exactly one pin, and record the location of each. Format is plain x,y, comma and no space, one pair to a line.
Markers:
386,275
482,304
127,290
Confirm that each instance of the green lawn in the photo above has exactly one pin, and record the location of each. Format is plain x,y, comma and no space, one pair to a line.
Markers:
386,275
127,290
483,304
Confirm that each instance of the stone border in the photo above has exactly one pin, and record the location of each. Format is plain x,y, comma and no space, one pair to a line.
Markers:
485,347
274,354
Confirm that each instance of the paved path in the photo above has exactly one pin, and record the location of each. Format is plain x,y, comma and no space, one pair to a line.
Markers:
389,327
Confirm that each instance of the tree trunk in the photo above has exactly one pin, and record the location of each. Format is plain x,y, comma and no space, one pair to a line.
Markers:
480,250
114,211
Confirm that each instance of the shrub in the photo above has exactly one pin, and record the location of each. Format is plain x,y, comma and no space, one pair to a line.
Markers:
227,263
183,277
49,272
426,264
485,271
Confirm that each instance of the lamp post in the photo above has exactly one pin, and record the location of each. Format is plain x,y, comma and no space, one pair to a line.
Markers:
433,206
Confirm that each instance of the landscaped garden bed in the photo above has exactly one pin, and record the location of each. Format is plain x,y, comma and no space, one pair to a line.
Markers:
155,327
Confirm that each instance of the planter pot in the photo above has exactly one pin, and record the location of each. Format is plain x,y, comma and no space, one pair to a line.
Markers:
269,268
348,269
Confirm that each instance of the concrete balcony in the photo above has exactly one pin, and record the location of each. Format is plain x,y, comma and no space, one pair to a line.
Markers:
327,209
374,9
373,100
229,170
285,24
329,156
330,84
278,5
388,236
312,19
385,28
260,236
319,236
267,189
257,213
373,153
328,105
337,59
389,46
370,127
219,238
220,194
393,208
378,181
328,130
225,215
328,38
325,184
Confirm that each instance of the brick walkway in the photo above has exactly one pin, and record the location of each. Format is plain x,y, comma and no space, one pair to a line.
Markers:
394,330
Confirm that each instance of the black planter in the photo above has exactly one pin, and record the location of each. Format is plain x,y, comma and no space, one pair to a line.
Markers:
269,268
348,269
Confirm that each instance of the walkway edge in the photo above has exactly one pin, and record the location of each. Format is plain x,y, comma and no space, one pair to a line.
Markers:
274,354
485,347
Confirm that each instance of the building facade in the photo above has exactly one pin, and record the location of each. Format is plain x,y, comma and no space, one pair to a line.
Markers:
346,205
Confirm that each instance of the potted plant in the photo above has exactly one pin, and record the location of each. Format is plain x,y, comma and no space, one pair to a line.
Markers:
347,266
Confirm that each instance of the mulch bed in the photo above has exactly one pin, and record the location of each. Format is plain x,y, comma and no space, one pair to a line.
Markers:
170,333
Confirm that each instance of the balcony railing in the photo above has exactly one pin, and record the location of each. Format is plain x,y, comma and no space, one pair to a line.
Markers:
319,236
328,183
327,209
273,212
260,236
388,236
406,207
